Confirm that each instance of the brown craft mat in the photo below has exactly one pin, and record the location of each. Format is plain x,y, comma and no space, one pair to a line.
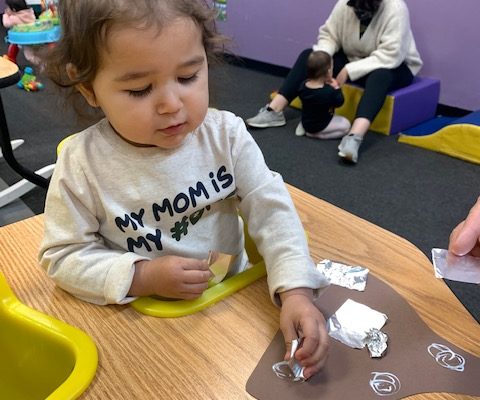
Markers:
349,372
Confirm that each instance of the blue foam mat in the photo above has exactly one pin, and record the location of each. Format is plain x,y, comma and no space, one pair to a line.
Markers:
439,122
472,119
430,126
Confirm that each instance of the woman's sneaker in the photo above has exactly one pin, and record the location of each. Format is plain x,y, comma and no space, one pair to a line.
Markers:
266,119
348,147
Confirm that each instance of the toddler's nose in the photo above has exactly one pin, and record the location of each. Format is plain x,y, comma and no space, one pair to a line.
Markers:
169,101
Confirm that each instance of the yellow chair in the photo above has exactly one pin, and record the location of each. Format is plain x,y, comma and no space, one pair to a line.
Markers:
62,143
41,357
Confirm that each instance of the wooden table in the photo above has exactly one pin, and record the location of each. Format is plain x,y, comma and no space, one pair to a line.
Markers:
210,355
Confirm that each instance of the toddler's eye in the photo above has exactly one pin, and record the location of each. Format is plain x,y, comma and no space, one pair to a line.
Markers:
188,79
140,93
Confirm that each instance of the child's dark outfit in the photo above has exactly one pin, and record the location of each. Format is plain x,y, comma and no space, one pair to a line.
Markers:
318,106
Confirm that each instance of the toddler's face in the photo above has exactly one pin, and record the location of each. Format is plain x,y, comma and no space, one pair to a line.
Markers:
153,88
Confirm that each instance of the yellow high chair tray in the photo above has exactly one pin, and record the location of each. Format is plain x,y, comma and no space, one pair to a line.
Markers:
216,292
41,357
178,308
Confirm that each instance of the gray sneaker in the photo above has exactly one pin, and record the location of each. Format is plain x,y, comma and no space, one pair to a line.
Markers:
266,119
348,147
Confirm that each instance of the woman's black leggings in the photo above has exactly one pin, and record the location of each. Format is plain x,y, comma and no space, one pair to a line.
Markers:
377,84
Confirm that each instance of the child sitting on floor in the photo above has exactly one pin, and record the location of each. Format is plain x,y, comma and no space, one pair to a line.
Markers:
320,94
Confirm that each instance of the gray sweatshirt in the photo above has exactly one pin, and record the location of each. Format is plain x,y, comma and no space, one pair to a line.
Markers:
111,204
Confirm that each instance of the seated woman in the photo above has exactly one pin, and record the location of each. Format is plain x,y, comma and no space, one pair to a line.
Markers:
373,46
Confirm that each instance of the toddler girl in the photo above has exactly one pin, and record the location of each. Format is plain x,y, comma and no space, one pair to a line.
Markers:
137,200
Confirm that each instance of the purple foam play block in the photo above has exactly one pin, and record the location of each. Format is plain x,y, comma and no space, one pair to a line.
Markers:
414,104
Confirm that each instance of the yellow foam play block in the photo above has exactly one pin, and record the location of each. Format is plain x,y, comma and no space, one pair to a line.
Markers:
458,140
352,94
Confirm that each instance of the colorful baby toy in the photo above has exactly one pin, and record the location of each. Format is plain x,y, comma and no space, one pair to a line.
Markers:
29,81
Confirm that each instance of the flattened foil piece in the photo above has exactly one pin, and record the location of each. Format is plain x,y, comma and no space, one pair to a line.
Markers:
376,342
350,277
352,321
290,369
460,269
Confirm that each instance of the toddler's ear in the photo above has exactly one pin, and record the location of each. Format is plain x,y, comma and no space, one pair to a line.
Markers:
85,89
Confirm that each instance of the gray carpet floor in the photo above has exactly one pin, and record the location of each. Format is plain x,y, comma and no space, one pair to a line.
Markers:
417,194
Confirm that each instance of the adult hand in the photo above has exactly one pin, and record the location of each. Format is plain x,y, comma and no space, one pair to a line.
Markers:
171,276
464,239
300,317
342,76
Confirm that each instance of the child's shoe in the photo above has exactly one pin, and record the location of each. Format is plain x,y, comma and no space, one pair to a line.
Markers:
348,147
299,131
267,118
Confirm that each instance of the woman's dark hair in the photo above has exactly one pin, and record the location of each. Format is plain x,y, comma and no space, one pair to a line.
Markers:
17,5
365,5
318,64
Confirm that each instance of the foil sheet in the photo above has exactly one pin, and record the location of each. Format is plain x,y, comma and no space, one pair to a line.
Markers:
351,277
291,369
352,321
376,342
220,264
460,269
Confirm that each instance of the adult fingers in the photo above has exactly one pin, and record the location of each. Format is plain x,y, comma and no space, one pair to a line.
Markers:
466,234
452,244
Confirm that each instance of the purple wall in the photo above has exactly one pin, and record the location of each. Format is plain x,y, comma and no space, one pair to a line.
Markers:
446,32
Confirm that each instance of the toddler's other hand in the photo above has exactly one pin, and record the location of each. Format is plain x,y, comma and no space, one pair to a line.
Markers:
300,317
333,83
171,276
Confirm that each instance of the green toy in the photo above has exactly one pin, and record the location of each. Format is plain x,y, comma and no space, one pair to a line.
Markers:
29,81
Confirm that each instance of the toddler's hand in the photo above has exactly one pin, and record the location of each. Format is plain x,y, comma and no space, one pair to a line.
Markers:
300,317
333,83
171,276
